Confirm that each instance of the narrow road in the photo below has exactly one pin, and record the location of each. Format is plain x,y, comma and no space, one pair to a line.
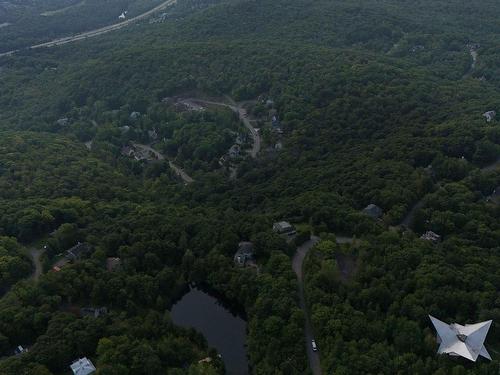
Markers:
178,170
297,265
35,255
97,32
242,113
408,219
297,262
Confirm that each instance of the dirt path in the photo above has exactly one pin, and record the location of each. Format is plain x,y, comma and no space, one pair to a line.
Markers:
97,32
242,113
35,255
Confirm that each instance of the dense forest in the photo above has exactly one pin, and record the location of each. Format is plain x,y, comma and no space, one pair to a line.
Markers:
371,103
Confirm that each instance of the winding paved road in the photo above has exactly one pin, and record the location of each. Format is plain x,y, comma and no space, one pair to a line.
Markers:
242,113
178,170
96,32
297,265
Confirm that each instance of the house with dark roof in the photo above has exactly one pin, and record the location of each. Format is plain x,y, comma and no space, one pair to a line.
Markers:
20,350
135,115
284,227
373,211
94,312
77,252
244,254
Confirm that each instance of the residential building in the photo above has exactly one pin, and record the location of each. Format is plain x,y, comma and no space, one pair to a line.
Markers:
63,121
83,366
20,350
95,312
244,254
135,115
462,341
489,116
234,151
373,211
153,135
77,252
431,236
284,227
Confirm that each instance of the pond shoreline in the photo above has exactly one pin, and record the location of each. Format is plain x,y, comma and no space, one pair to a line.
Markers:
221,325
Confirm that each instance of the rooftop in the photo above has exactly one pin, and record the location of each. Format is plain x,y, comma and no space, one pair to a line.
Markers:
373,211
463,341
83,366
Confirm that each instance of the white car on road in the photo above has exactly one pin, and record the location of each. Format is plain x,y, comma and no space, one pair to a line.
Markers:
314,346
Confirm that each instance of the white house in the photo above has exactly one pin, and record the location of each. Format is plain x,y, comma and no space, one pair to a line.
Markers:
464,341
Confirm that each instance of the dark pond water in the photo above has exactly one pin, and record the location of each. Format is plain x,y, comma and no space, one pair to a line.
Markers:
223,330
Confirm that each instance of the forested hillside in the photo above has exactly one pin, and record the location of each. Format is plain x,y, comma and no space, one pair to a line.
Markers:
356,102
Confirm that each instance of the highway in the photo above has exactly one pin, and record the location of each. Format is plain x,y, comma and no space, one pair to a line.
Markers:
96,32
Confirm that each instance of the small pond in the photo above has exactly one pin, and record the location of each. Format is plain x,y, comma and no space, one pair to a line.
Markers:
223,330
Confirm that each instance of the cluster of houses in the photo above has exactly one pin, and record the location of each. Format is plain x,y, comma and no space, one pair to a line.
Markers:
376,213
245,255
